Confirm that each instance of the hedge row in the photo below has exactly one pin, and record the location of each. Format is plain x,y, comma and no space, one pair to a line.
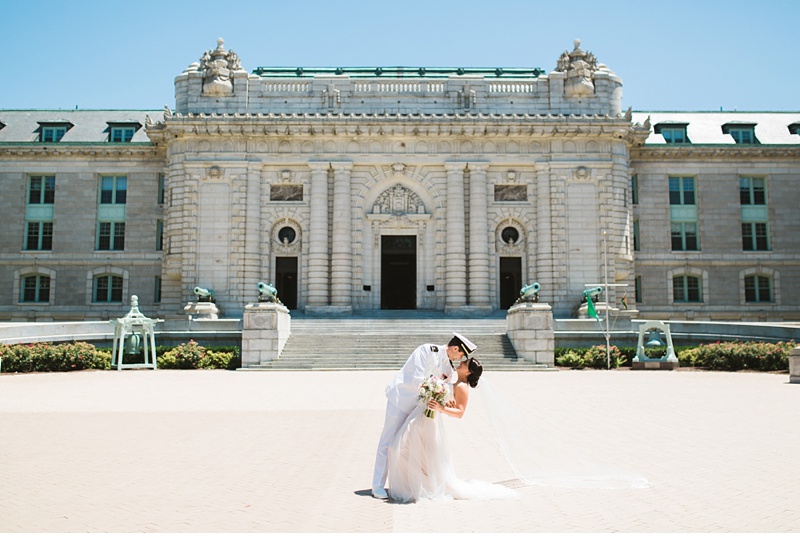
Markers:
728,356
46,357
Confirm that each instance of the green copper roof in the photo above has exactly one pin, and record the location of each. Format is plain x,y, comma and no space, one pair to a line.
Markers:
400,72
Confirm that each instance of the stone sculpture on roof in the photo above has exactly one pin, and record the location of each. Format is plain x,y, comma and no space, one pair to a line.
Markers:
217,66
579,67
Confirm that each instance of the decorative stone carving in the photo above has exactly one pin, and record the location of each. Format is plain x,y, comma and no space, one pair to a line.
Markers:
214,173
582,174
398,200
580,68
217,66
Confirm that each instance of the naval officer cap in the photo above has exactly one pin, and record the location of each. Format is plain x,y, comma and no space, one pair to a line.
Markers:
463,342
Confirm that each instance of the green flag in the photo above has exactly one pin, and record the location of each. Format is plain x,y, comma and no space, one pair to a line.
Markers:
590,308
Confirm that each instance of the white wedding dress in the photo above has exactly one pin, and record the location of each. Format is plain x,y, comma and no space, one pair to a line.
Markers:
420,468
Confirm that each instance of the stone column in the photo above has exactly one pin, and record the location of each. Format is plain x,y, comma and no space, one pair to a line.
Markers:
318,264
342,241
251,262
478,246
455,262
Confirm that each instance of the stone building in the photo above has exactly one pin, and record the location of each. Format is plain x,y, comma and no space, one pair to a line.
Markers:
362,189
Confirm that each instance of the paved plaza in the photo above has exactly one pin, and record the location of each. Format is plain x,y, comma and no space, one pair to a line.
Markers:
205,451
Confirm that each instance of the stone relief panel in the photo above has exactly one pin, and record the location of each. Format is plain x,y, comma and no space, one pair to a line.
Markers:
510,193
285,193
398,200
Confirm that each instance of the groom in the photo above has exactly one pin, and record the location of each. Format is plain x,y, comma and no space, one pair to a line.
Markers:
402,394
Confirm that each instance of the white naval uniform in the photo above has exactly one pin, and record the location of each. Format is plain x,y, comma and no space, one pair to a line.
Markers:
402,396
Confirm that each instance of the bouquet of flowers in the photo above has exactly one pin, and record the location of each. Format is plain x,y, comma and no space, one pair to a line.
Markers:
432,389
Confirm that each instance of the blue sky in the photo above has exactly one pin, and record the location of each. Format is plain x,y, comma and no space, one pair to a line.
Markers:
675,55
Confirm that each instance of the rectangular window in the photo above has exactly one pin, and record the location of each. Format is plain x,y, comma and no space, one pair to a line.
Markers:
634,189
674,135
161,183
108,289
757,289
39,236
681,191
752,191
636,244
52,133
110,236
686,289
684,236
157,291
637,289
743,135
159,235
113,189
122,134
755,236
41,190
35,289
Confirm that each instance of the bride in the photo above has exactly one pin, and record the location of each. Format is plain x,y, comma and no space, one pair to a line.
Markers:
419,462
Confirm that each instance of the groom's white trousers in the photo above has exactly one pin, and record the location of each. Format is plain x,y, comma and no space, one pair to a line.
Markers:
395,417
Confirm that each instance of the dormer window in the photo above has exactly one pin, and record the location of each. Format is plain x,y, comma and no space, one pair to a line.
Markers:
794,128
742,133
673,133
122,132
53,131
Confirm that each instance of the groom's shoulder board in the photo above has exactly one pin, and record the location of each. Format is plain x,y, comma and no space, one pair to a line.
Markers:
435,349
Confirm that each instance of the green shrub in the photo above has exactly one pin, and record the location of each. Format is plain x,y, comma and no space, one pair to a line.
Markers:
183,357
731,356
596,357
217,359
571,359
687,357
47,357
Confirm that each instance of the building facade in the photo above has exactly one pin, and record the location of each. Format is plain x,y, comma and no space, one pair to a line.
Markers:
363,189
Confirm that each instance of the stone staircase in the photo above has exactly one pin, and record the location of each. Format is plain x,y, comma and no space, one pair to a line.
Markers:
385,344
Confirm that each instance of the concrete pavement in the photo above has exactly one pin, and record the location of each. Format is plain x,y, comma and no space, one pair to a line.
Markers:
205,451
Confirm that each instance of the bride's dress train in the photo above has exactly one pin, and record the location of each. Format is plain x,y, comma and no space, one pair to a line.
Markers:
420,466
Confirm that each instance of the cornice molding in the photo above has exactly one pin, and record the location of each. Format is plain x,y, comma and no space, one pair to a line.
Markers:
685,152
407,125
74,151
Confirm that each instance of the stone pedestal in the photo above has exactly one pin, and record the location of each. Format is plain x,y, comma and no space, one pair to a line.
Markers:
794,365
530,329
265,329
202,310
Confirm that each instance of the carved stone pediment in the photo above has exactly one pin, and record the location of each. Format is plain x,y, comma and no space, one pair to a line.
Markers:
398,200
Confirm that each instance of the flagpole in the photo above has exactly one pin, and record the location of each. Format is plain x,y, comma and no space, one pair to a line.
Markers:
608,311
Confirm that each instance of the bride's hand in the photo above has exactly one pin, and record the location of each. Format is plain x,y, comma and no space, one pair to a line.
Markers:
451,404
436,406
